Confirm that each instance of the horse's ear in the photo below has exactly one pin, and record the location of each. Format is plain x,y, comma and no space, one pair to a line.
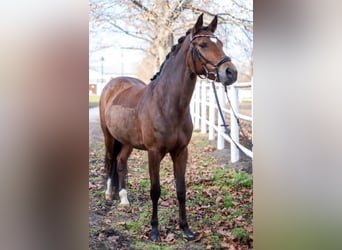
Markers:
212,26
198,24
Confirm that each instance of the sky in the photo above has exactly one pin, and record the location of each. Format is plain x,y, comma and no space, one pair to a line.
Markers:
119,60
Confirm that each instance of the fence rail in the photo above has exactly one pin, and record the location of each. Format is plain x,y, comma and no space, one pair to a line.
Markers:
206,117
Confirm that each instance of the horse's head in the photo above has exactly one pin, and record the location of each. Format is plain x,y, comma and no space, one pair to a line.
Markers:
207,56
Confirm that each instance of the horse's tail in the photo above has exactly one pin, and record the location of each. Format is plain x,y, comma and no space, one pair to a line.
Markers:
115,176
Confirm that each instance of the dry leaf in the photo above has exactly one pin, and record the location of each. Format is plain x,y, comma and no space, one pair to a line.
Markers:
170,238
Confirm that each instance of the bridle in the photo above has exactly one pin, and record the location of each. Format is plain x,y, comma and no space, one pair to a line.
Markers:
203,60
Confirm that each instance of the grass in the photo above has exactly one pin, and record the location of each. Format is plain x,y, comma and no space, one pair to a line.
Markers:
242,179
217,198
240,233
94,101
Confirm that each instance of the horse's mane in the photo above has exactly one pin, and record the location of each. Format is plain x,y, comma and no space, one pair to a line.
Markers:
174,49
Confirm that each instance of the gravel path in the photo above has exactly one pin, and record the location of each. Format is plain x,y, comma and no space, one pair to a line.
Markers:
95,132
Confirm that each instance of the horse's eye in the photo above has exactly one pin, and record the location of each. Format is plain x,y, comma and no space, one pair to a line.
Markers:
203,45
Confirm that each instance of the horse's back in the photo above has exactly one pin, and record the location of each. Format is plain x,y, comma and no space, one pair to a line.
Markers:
116,86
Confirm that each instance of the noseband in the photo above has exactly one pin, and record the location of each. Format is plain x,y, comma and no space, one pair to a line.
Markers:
203,60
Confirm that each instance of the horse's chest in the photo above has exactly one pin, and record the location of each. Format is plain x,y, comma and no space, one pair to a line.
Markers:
166,137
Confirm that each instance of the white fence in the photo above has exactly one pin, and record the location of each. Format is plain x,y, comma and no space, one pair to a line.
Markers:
206,117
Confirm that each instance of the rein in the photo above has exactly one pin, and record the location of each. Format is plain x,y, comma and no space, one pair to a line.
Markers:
203,60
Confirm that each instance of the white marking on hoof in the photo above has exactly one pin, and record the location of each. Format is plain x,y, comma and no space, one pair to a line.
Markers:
109,190
123,197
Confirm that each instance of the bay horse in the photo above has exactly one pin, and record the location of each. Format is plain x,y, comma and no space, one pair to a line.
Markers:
156,117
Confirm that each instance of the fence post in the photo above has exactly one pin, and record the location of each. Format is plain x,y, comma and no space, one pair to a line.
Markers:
197,105
212,104
220,128
203,107
234,101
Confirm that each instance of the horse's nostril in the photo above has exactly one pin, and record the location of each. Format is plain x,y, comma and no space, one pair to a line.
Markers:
231,73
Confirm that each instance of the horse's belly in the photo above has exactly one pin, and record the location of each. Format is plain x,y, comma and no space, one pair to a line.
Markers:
124,125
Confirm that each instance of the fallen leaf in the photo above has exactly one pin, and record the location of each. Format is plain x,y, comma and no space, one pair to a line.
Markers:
114,238
222,231
225,245
231,247
170,238
199,236
218,200
107,221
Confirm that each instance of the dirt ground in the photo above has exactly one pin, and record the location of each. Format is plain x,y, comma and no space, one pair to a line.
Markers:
101,234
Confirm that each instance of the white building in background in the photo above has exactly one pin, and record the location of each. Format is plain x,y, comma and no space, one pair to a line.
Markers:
96,83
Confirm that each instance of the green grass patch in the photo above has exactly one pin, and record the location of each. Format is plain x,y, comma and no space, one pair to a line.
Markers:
242,179
145,185
139,245
164,192
216,240
99,193
241,234
222,177
229,177
94,101
228,202
216,217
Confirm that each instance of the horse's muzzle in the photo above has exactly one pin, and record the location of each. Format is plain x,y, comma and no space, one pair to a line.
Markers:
228,75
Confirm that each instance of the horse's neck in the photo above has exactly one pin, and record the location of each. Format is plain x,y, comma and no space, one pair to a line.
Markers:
176,83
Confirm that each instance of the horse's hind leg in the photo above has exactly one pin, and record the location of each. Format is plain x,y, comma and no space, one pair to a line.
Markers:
109,162
122,171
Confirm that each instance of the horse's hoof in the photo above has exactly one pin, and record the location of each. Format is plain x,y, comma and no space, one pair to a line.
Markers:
154,236
188,235
123,198
124,204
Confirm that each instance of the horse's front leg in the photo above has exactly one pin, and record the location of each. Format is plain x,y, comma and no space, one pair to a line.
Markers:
154,159
179,159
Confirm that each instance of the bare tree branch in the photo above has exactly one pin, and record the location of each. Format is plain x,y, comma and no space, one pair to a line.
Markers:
246,32
145,9
93,50
129,33
156,22
235,19
241,6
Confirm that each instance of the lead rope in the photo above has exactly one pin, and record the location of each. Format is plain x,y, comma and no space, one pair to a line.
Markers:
222,118
250,143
